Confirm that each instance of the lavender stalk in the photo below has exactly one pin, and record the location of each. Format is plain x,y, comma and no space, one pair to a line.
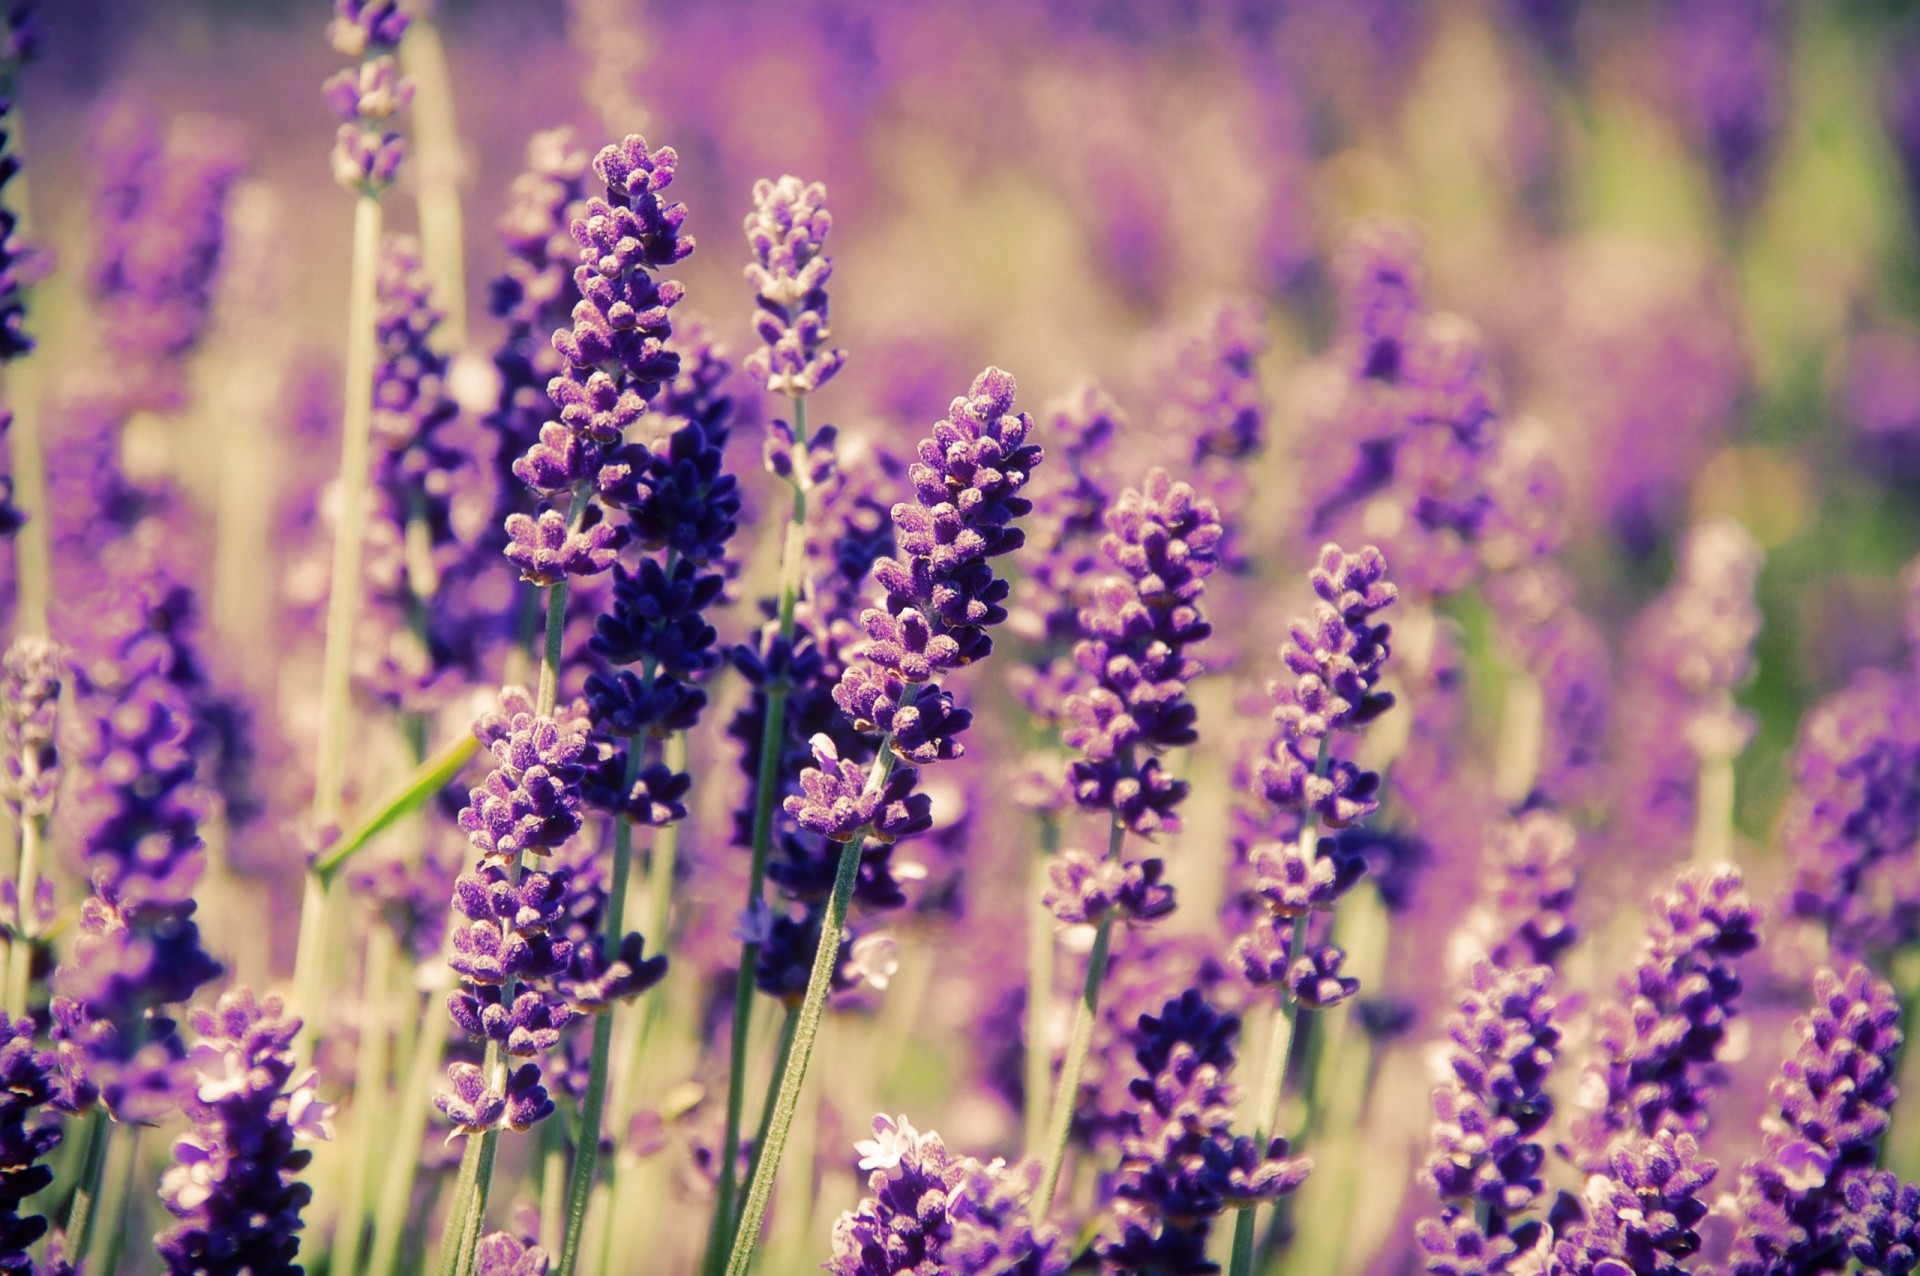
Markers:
366,158
787,232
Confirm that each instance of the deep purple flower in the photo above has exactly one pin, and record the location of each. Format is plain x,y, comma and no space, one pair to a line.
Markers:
787,231
1658,1041
26,1140
1728,71
1833,1094
1531,863
1181,1166
1494,1101
1163,537
501,1254
1083,890
1211,391
1854,814
232,1183
1335,659
929,1210
1882,1223
1641,1212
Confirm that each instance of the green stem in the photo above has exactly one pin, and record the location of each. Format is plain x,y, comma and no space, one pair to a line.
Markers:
833,928
793,557
343,605
20,952
553,1181
396,1186
586,1151
788,1025
436,166
118,1201
370,1092
1067,1089
1040,968
1713,812
432,775
86,1195
1272,1087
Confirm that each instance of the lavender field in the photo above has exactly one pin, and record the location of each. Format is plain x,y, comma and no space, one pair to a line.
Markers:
1273,637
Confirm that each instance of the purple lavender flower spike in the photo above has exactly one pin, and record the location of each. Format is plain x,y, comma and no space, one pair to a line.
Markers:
929,1210
366,152
1163,538
1532,861
787,231
26,1087
1882,1223
1083,890
31,675
1181,1166
547,551
232,1184
1641,1214
1212,389
1728,72
1336,658
1833,1094
1658,1041
1854,814
1315,980
1493,1104
18,42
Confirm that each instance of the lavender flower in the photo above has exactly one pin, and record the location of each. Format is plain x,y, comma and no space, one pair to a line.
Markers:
16,257
1833,1094
1212,389
1488,1110
932,1211
1728,72
1531,859
366,152
1337,657
1640,1214
1659,1040
27,1085
139,948
232,1183
787,231
1163,538
31,675
501,1254
1882,1223
1854,814
1181,1166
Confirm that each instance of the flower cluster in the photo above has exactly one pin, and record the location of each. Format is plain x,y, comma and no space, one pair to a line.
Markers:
1181,1167
929,1210
1641,1213
27,1084
1883,1223
1487,1113
31,675
1834,1094
1854,814
139,948
1659,1040
942,597
1163,537
232,1183
787,230
366,152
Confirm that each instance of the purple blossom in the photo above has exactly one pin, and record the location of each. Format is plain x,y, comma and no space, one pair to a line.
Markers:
31,675
366,152
26,1140
787,231
1658,1041
1531,859
929,1210
1083,890
1181,1166
1833,1096
1854,814
1728,70
1641,1212
501,1254
1335,658
1163,538
1882,1223
232,1182
1493,1101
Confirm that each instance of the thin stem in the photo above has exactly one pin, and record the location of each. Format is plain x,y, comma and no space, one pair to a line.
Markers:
20,952
116,1202
33,543
432,775
1272,1089
788,1025
396,1187
793,559
553,1181
343,605
586,1152
370,1090
436,148
819,984
1067,1089
1040,968
1713,812
86,1195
